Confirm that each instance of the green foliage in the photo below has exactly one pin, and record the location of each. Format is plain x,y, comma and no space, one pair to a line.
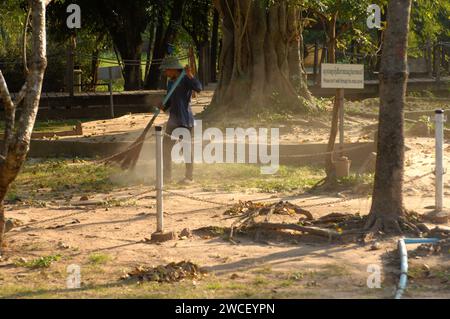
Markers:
430,20
41,262
99,258
48,178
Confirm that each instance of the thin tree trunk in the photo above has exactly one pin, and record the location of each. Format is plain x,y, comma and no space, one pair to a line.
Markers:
151,42
94,67
214,45
17,137
163,38
387,205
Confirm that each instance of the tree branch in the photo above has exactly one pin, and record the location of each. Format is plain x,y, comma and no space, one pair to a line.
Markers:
32,91
10,111
21,95
24,42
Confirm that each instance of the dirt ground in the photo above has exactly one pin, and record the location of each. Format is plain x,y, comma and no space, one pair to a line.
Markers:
109,238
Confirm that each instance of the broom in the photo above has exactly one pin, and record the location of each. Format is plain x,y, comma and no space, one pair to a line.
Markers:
128,158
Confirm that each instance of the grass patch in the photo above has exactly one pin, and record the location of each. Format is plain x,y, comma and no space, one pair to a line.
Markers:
99,258
52,176
52,125
357,179
41,262
40,180
229,177
260,281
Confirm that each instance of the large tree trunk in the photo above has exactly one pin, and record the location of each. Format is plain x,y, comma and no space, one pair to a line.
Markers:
254,66
17,135
387,205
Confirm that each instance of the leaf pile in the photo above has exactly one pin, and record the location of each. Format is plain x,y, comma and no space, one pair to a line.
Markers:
441,248
338,221
247,212
172,272
247,208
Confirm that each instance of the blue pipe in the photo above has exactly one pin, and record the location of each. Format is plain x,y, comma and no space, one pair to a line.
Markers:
404,260
421,240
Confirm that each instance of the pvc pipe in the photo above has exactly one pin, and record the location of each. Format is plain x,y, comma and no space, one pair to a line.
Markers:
404,261
439,170
403,269
159,179
421,240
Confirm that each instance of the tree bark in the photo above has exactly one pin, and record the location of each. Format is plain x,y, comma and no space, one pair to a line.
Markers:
129,45
163,37
254,60
17,137
214,45
387,209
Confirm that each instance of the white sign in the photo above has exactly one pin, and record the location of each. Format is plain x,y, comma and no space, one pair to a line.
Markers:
104,73
342,76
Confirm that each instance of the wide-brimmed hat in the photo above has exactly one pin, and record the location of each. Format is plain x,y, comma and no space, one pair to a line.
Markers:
171,62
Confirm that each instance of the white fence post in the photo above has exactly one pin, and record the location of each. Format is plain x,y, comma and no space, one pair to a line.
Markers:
159,179
439,170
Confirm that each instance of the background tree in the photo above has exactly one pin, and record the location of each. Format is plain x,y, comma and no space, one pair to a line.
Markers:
387,212
124,21
254,66
18,133
196,21
168,25
337,18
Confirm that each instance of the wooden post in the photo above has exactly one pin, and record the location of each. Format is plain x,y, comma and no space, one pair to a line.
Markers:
429,59
340,100
435,60
70,66
323,59
316,60
111,99
208,62
438,62
205,65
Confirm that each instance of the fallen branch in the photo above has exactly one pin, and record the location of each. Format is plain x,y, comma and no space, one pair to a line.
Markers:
328,233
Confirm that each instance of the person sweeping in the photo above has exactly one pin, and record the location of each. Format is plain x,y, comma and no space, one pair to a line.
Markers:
180,112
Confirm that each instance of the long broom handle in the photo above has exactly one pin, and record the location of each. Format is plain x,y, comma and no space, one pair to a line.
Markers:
165,100
174,86
139,141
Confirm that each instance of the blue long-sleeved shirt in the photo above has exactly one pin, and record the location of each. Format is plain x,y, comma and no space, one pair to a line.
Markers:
179,104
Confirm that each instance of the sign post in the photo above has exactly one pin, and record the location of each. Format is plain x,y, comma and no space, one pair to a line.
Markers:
109,74
340,77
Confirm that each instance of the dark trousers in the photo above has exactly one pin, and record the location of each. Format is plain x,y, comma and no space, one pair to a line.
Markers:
168,144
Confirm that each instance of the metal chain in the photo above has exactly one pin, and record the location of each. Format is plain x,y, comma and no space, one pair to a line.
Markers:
419,177
328,153
343,200
198,199
221,204
47,220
